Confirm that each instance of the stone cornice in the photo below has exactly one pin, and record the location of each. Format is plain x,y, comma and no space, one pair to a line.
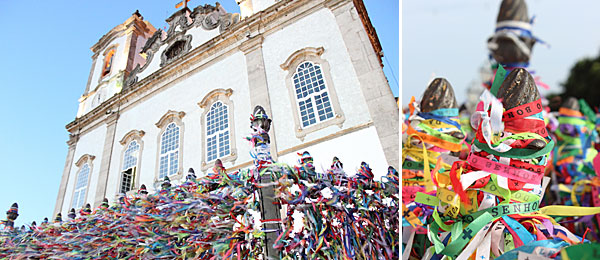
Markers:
212,94
73,139
112,118
251,44
85,158
165,118
300,53
133,134
229,41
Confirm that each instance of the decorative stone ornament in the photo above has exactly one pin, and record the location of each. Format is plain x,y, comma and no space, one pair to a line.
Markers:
11,215
143,190
219,166
260,120
166,183
72,214
191,176
519,89
336,163
512,42
58,218
88,209
571,103
364,172
104,204
178,42
260,125
439,94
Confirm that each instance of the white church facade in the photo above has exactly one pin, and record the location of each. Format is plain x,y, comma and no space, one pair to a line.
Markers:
159,102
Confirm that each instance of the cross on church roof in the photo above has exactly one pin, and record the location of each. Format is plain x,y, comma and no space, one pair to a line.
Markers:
183,2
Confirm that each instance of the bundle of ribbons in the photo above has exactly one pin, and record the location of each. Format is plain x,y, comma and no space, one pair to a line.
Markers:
574,175
335,216
434,135
488,207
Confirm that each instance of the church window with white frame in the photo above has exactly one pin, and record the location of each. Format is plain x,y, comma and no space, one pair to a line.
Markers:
129,170
169,151
217,132
81,186
312,91
312,94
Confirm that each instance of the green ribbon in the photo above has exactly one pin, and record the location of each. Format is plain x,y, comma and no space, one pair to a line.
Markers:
456,246
437,134
568,139
515,152
498,79
427,199
587,110
571,120
500,211
581,251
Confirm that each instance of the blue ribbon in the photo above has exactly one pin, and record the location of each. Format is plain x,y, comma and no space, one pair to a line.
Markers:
439,118
445,112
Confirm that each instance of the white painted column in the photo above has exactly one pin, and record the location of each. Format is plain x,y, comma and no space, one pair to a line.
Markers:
72,142
373,83
109,141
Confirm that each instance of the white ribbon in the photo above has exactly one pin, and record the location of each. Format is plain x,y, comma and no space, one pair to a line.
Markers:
490,124
475,243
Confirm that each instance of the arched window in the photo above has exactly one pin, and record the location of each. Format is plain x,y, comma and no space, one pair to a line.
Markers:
129,170
169,151
218,129
130,157
311,94
217,132
108,59
81,186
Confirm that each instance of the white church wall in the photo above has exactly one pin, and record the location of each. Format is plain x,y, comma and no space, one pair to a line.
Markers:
316,30
259,5
201,36
154,64
350,149
91,143
184,96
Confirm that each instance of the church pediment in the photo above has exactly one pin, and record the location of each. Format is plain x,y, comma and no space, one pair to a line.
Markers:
188,29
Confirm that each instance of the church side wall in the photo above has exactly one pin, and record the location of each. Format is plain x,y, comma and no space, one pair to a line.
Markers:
320,30
183,94
350,149
89,143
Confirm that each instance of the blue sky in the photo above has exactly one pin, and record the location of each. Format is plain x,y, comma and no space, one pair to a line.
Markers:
448,39
46,62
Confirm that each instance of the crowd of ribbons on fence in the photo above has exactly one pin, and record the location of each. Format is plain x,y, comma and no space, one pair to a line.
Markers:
331,214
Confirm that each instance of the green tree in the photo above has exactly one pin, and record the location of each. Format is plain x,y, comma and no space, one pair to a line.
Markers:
584,81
